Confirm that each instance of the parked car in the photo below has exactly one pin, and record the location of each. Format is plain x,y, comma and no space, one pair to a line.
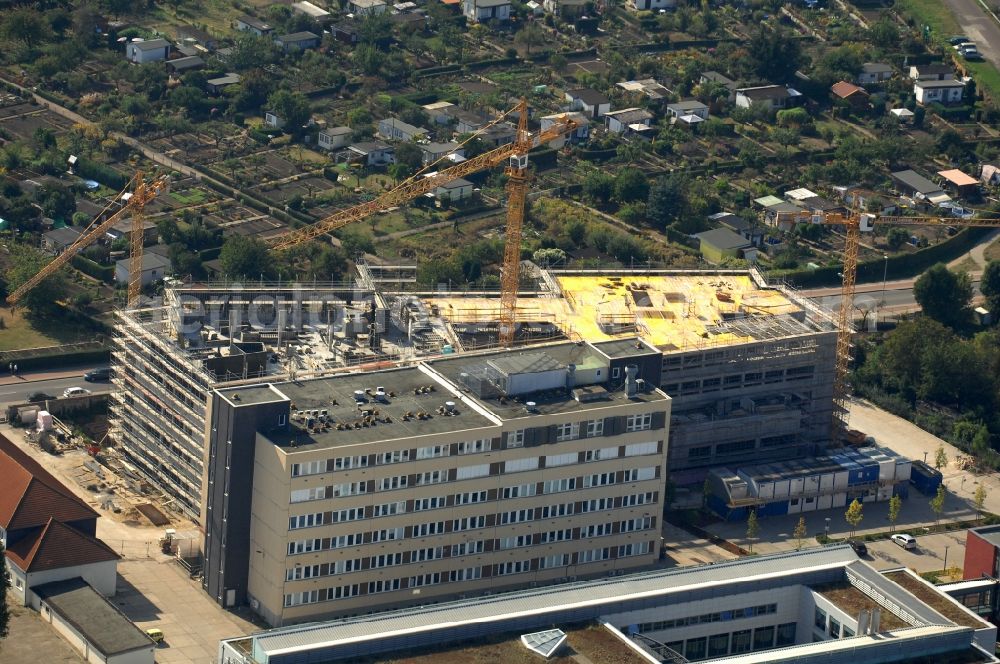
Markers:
957,39
97,375
972,54
905,541
156,635
39,397
859,547
75,392
963,46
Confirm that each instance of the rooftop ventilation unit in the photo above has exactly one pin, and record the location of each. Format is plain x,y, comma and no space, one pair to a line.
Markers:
531,407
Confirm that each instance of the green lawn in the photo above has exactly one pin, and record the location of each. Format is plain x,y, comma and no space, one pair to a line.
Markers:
942,22
19,332
189,197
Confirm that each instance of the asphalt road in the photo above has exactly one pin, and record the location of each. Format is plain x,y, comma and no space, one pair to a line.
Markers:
978,26
18,392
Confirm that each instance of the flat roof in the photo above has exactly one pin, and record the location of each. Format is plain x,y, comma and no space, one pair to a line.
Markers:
336,395
543,358
915,181
989,533
97,619
670,310
958,178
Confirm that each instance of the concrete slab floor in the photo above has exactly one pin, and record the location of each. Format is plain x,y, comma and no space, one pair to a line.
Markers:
29,636
161,595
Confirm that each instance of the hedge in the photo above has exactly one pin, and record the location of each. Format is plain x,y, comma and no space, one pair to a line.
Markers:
437,71
897,267
94,170
58,360
104,273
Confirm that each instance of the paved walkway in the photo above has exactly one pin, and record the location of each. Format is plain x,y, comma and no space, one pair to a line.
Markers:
49,374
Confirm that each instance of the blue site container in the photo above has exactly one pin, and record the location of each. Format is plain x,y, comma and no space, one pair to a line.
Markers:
719,506
925,479
777,508
902,490
869,469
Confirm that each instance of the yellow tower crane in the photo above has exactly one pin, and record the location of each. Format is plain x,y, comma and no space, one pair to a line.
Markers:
134,204
854,224
514,155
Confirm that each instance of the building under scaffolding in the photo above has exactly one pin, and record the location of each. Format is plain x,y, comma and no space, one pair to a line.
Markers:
749,366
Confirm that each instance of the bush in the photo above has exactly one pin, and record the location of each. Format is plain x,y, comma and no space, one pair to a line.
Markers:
93,170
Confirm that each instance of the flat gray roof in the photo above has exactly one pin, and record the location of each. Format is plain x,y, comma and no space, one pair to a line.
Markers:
554,598
546,403
618,348
103,625
989,533
335,394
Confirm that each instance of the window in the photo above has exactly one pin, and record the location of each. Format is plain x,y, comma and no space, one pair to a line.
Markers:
346,463
384,586
425,580
304,597
718,645
635,499
303,546
390,509
517,516
469,523
305,495
282,420
553,511
469,472
640,449
522,491
595,428
391,483
834,628
515,542
428,503
305,521
602,454
517,465
467,548
475,446
432,452
819,619
598,479
393,457
694,649
598,504
515,438
639,422
353,514
594,555
470,497
345,566
556,560
349,489
308,468
846,632
431,477
347,540
700,452
387,534
553,460
423,555
763,638
597,530
640,474
427,529
633,549
632,525
557,536
567,431
786,635
616,372
741,642
557,486
467,574
735,447
302,572
514,567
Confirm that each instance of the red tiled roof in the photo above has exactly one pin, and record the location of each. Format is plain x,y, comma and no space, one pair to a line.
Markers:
843,89
30,495
55,546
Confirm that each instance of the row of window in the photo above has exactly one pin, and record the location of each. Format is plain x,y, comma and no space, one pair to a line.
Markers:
434,578
398,456
831,626
736,381
717,616
735,643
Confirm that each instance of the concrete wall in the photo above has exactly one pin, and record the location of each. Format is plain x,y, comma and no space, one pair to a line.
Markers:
101,576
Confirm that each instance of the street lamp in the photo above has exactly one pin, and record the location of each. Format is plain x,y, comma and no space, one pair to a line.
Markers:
885,273
828,528
946,557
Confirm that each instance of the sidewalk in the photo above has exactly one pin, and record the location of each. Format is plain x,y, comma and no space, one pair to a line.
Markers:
34,376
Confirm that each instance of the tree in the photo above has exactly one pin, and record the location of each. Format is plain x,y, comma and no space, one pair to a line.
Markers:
409,155
26,25
529,36
4,585
937,502
944,295
292,107
26,263
940,457
884,33
979,499
599,187
666,200
244,257
854,515
57,201
774,54
800,532
631,185
895,504
359,117
990,287
896,237
753,527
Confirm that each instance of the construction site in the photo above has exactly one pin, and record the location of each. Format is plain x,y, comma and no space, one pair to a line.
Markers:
749,367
